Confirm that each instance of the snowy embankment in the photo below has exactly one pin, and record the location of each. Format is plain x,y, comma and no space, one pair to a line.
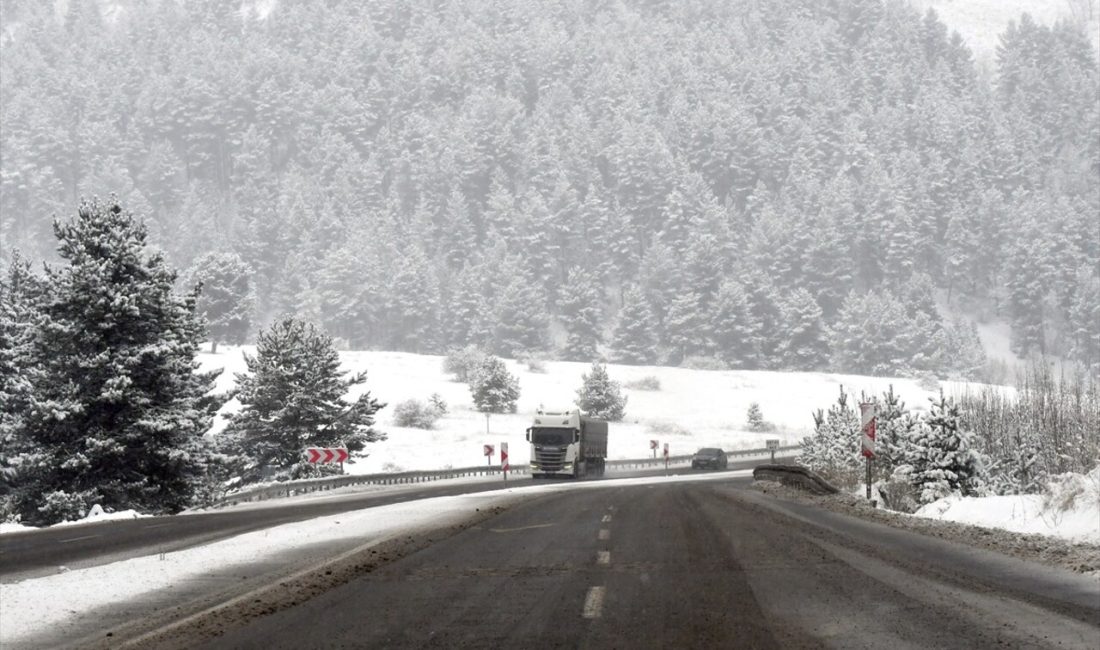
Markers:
692,409
59,601
1069,509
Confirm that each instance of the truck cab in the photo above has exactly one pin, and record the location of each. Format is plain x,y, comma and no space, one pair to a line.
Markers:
567,443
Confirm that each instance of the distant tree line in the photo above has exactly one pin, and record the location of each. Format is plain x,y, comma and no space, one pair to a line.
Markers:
763,182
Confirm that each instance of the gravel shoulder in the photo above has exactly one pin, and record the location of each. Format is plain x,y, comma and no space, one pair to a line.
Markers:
1080,558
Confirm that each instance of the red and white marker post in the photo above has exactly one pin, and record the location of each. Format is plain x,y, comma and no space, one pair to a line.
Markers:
867,429
653,446
666,458
488,451
504,460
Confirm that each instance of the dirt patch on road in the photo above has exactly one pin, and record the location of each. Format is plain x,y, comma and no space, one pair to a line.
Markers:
1081,558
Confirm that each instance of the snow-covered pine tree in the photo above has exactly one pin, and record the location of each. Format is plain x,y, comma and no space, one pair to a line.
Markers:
686,327
804,345
293,397
833,449
635,338
21,298
519,316
754,419
494,389
599,396
118,409
894,424
226,299
732,326
940,459
579,300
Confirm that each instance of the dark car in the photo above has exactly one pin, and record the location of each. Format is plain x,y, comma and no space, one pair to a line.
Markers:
709,458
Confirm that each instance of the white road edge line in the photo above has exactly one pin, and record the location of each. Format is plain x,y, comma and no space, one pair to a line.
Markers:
593,602
157,526
76,539
605,533
603,557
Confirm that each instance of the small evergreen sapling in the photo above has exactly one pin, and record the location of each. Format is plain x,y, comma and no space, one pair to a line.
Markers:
600,397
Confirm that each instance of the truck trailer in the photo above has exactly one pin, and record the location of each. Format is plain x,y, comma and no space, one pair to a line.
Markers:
567,443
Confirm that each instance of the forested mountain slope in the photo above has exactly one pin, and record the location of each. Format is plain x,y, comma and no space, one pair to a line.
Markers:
774,183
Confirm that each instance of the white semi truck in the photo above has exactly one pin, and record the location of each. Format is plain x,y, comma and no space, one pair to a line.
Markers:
567,443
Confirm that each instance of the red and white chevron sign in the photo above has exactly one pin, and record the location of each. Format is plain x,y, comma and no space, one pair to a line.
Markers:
504,456
867,426
326,454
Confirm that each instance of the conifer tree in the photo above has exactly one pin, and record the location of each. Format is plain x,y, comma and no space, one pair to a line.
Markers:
21,299
804,345
939,458
732,326
519,317
226,297
599,396
635,338
118,409
579,300
833,449
295,396
494,389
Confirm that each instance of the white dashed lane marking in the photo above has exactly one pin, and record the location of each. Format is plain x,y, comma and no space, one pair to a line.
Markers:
606,518
603,557
605,533
593,602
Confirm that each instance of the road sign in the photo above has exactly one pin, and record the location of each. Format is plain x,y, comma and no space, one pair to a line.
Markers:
488,449
867,426
504,457
666,450
653,444
326,454
772,443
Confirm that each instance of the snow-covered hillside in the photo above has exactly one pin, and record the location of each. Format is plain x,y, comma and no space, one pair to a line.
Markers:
693,408
981,22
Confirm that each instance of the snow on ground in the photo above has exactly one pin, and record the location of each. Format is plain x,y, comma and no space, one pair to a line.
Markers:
95,514
693,408
1070,509
43,603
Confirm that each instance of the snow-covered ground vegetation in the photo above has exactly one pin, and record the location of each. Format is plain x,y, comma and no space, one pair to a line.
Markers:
1068,507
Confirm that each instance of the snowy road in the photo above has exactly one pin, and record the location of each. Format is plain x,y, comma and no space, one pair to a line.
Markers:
695,561
40,552
688,565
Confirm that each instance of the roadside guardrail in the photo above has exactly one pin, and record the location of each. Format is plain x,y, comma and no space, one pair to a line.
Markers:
305,486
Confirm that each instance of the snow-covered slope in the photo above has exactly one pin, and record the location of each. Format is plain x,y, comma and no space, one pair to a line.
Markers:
693,408
981,22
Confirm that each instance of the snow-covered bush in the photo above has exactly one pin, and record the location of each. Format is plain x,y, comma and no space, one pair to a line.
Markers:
415,414
534,363
649,382
462,363
699,362
60,505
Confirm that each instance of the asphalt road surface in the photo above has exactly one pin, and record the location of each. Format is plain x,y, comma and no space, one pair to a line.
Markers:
29,554
686,565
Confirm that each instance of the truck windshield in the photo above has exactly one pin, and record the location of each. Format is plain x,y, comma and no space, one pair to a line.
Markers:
544,436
